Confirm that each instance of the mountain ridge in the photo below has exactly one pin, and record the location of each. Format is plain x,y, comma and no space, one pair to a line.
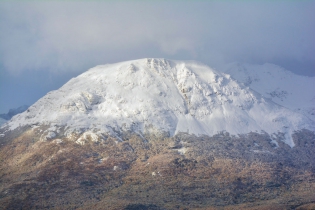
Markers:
281,86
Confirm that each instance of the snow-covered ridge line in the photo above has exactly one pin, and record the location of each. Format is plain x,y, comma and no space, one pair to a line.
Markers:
159,95
292,91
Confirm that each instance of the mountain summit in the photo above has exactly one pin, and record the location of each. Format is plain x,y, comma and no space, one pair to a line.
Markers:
160,96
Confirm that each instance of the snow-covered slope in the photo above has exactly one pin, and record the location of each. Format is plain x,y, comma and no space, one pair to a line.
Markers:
283,87
158,95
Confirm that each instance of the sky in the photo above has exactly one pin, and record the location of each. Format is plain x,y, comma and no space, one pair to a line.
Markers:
43,44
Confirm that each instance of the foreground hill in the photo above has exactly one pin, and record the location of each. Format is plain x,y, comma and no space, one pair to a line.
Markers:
223,171
157,134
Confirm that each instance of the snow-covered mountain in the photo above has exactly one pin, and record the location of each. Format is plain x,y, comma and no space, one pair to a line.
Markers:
283,87
146,134
165,97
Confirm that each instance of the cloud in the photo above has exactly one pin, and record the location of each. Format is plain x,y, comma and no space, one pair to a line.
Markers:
73,36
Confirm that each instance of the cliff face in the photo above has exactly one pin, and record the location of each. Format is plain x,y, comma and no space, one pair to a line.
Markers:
249,171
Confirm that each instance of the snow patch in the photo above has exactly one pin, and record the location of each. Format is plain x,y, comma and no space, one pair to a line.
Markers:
58,141
182,150
49,135
86,136
275,143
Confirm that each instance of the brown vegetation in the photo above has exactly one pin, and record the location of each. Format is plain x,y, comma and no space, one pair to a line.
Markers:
156,172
